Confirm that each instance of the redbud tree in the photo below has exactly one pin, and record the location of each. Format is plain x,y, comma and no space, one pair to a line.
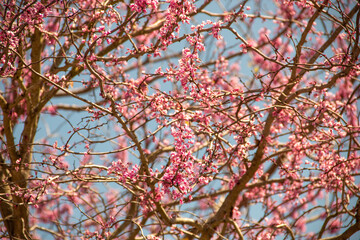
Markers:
179,119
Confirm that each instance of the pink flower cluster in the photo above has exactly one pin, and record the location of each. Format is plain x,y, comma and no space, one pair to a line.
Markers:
141,5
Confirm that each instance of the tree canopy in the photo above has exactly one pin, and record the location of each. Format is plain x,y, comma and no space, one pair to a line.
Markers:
179,119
